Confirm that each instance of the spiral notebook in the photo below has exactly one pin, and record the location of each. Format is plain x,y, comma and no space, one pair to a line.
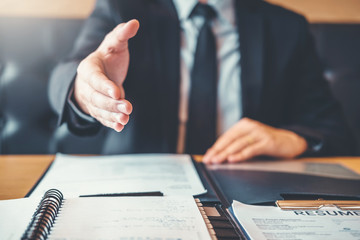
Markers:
167,217
173,175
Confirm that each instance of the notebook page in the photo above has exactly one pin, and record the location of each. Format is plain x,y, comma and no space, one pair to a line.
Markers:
15,216
74,175
169,217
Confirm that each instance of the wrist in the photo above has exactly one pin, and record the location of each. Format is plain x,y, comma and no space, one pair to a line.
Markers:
76,99
295,145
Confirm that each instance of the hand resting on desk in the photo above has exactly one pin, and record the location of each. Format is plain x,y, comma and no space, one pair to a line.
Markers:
98,86
249,138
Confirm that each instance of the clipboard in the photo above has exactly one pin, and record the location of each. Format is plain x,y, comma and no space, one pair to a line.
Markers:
286,191
317,204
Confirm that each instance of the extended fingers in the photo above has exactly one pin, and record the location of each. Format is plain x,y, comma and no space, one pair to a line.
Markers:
235,147
115,117
240,129
247,153
114,125
92,72
102,84
221,144
115,120
110,112
98,100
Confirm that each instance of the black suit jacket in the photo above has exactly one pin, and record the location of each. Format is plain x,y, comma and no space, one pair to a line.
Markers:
281,77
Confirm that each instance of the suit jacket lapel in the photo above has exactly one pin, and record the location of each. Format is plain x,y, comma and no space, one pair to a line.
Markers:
251,33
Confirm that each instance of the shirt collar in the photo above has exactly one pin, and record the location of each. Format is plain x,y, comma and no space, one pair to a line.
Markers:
184,7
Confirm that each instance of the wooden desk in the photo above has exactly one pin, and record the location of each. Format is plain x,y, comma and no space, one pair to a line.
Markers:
19,173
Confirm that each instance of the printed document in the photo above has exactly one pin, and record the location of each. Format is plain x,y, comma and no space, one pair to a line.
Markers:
78,175
267,222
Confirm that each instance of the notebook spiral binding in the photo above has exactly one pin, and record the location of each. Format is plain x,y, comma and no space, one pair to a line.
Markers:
44,216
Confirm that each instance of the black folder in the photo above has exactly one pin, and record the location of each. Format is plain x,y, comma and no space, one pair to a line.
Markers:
265,188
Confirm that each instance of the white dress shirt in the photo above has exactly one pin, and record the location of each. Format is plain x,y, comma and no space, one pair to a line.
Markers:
228,55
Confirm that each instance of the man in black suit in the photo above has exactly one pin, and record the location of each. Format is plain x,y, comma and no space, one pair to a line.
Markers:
271,98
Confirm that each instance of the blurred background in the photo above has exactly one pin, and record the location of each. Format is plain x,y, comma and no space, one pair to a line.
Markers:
37,34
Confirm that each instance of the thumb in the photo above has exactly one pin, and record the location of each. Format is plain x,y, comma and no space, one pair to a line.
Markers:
126,31
117,39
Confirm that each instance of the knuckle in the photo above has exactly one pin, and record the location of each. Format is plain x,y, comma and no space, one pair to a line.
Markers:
110,49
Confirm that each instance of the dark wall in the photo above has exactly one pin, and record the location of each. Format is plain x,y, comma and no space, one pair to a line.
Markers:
30,48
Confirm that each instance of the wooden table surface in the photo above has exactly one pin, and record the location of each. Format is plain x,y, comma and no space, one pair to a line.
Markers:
19,173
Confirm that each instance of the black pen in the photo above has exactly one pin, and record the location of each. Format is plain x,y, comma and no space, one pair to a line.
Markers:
134,194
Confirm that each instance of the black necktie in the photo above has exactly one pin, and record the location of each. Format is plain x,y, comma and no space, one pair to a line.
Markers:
201,125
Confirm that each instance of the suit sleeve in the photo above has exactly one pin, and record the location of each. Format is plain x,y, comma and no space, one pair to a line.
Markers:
316,115
100,22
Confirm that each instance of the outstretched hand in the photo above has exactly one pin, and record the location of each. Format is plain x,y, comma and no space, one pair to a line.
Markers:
249,138
100,76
